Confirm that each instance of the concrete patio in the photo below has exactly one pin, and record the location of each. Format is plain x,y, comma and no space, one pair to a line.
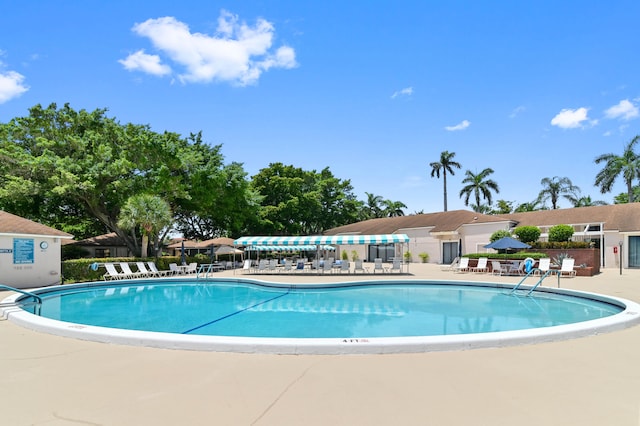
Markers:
50,380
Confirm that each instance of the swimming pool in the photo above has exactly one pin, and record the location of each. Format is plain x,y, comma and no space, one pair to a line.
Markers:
355,317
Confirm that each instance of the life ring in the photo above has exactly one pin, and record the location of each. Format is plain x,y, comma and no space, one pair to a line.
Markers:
94,266
528,264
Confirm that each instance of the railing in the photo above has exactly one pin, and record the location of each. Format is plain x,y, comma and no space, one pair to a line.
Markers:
542,277
36,298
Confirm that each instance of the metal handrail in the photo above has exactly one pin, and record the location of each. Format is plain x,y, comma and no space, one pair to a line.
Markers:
37,298
545,275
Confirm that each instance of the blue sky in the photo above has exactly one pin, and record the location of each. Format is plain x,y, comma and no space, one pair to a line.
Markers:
375,91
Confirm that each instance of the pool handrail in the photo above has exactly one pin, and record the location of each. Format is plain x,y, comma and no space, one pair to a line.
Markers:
545,275
37,298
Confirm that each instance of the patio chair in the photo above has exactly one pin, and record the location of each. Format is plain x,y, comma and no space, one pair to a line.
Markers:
345,267
300,266
377,265
544,265
192,268
498,269
359,267
156,272
328,265
173,268
246,266
463,266
396,266
566,270
451,266
112,273
128,273
481,266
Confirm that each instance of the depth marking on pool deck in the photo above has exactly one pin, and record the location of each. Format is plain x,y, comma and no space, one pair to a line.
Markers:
236,312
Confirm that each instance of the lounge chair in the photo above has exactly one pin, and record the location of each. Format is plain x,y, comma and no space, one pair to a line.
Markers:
299,266
377,265
451,266
481,266
544,265
126,270
566,270
246,266
112,273
142,269
156,272
463,266
498,269
396,266
345,267
359,267
328,265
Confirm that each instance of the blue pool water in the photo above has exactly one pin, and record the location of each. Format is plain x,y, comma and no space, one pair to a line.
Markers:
350,311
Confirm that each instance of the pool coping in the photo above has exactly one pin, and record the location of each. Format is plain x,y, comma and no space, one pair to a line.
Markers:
630,316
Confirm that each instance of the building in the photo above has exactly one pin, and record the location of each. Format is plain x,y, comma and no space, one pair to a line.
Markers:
30,253
615,229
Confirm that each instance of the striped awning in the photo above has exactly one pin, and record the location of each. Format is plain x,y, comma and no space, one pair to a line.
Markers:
322,239
288,248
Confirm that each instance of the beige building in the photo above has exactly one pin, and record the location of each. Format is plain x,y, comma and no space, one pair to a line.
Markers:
444,235
30,253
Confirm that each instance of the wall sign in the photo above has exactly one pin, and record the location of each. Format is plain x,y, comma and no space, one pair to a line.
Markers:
22,251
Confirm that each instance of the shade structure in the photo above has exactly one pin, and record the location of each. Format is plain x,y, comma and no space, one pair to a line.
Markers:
507,243
183,258
227,250
322,240
289,248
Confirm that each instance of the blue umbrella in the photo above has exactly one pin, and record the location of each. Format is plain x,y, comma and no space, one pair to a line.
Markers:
507,243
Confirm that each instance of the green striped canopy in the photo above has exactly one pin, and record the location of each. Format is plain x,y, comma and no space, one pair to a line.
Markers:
288,248
322,239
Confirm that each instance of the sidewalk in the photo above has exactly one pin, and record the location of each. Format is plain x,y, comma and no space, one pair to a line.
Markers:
50,380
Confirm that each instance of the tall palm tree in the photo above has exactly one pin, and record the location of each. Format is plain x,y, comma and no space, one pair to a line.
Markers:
446,164
627,165
373,205
554,188
150,213
478,185
393,208
586,201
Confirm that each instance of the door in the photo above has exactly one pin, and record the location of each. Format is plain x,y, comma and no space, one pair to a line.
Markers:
634,252
449,252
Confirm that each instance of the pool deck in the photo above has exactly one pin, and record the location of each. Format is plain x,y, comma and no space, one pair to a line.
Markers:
50,380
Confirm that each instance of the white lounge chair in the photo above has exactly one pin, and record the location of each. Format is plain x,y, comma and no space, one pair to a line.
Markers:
451,266
463,266
246,266
142,269
155,271
377,265
112,273
544,265
126,270
566,270
396,266
481,266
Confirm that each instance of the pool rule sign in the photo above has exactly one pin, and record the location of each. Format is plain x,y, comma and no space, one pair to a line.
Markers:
22,251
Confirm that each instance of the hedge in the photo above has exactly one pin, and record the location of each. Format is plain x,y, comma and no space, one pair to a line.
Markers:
79,270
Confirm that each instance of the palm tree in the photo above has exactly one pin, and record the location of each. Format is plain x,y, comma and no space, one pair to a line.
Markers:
445,165
627,165
556,187
393,208
479,185
150,213
586,201
373,205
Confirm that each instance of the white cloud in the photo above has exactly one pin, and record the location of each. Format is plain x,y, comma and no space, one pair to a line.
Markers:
625,110
517,111
407,91
150,64
460,126
572,118
237,53
11,85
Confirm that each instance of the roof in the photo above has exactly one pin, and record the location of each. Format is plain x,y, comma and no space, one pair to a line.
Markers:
439,222
321,240
618,217
111,239
190,244
16,225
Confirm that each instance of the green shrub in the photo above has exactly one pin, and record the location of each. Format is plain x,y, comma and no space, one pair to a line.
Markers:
80,270
408,257
354,255
559,233
527,234
424,256
344,255
499,234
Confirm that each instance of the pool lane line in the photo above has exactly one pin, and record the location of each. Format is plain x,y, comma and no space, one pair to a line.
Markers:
236,312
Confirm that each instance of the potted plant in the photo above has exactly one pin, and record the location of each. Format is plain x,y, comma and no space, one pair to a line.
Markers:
424,257
407,257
